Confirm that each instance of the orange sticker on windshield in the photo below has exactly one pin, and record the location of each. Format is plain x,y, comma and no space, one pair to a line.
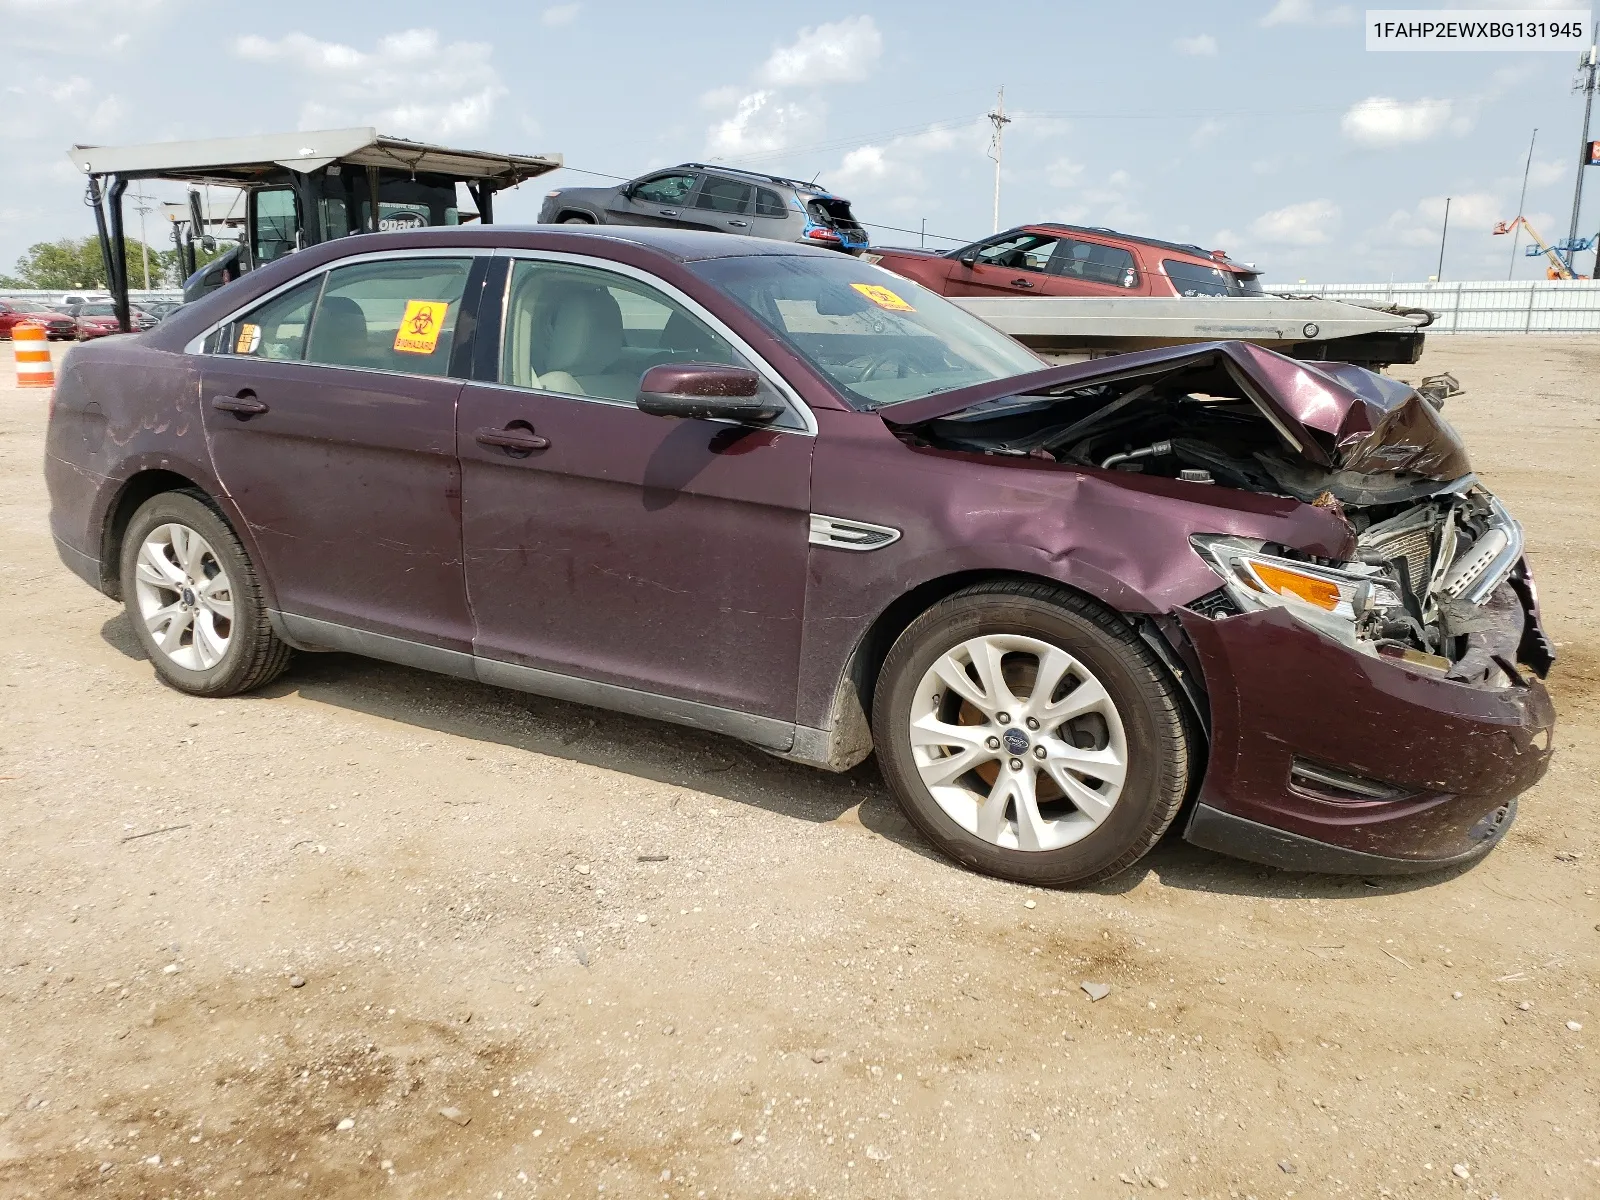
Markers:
420,327
882,297
249,339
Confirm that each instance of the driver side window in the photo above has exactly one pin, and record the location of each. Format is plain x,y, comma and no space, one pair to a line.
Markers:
585,332
665,189
1025,252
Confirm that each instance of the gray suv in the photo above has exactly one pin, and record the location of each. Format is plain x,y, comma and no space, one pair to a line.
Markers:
723,199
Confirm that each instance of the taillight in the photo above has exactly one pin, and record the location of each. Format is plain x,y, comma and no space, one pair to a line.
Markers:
823,235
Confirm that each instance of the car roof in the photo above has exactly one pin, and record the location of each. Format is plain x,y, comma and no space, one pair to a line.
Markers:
683,245
1181,247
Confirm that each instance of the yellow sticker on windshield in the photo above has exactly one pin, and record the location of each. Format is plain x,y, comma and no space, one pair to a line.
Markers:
882,297
420,327
249,339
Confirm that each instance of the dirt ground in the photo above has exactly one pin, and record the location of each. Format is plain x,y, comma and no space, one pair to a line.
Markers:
253,947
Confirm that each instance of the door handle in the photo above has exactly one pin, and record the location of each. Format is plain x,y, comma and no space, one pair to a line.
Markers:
669,212
740,224
513,439
244,404
1022,283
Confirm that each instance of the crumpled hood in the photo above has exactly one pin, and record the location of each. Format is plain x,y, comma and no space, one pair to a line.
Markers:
1334,415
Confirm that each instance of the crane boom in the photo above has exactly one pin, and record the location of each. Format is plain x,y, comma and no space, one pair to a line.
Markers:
1558,269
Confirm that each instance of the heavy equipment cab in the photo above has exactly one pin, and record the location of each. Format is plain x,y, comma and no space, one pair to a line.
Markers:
299,189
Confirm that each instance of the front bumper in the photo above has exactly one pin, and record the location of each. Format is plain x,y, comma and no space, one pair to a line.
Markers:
1456,754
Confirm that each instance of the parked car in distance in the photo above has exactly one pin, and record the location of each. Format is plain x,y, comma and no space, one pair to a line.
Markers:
722,199
160,310
784,495
98,319
1071,260
15,312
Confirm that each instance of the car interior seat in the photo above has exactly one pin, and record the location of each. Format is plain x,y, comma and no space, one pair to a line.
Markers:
339,332
577,336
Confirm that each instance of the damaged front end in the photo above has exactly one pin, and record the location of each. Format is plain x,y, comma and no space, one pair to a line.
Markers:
1377,711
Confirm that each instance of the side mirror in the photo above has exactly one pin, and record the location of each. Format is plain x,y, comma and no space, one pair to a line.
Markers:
627,191
968,258
705,391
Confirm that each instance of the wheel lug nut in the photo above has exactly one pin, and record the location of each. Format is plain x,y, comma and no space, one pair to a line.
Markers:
1033,722
993,743
1039,752
1016,764
1003,718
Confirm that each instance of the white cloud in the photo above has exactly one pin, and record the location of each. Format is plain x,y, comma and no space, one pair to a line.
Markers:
1112,201
1202,45
1309,223
1546,171
560,15
1385,121
769,117
1304,12
763,122
411,84
839,52
1206,132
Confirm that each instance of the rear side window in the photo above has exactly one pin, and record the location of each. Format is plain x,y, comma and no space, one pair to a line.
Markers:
724,195
274,330
769,204
1192,279
396,315
1094,262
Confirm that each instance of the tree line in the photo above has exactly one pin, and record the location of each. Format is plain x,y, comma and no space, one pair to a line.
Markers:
75,264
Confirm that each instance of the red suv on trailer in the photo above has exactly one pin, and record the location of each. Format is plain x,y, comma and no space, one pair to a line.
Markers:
1070,260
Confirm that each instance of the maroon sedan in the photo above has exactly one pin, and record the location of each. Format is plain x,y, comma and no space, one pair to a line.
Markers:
57,326
781,494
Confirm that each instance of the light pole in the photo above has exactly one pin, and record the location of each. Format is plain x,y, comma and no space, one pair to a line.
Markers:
1443,233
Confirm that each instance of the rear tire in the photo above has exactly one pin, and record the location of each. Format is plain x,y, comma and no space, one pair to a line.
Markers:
1068,786
575,220
192,595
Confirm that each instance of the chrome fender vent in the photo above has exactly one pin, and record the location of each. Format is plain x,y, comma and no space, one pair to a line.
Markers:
842,534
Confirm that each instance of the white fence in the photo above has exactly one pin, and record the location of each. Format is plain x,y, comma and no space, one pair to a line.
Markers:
1480,306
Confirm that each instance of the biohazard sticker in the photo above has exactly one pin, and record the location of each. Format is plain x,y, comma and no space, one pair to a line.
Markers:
420,327
249,339
882,297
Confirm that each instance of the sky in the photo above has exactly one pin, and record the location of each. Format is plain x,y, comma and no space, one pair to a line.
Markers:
1260,127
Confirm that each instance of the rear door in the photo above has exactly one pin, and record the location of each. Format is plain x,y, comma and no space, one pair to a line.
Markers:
723,204
665,557
1085,267
665,199
330,413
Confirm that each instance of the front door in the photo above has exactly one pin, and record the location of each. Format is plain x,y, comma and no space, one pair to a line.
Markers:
331,422
664,199
1012,266
665,556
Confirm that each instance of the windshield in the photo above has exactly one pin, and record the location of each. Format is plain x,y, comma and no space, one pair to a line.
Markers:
878,338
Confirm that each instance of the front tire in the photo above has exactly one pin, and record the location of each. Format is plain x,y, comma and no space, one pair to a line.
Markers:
575,220
1029,734
194,600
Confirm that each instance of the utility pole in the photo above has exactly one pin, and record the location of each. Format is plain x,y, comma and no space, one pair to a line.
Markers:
1521,200
143,207
997,149
1443,233
1584,83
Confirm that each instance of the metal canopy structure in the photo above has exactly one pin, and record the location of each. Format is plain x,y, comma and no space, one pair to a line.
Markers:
272,158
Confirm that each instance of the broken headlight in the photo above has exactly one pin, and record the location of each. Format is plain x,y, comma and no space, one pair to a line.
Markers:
1255,579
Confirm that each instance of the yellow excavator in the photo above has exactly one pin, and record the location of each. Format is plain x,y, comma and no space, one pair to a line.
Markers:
1557,269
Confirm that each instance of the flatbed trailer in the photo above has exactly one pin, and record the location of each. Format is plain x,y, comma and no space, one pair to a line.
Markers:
1073,328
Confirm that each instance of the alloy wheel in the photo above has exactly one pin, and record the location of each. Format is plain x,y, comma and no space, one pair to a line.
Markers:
1018,742
184,597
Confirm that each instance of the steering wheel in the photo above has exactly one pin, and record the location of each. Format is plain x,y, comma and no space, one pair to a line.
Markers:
891,364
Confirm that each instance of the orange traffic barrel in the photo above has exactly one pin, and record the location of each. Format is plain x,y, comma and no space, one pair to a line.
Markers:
34,368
